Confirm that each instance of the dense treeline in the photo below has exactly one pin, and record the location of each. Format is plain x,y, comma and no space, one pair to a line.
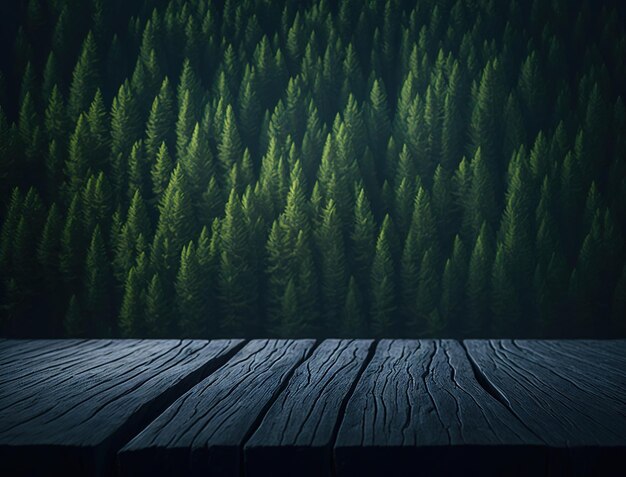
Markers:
245,168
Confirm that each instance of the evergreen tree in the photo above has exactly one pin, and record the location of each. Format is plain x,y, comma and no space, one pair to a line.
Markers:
428,321
84,79
505,304
191,303
306,322
158,313
197,164
485,130
161,121
378,119
124,133
137,169
333,274
453,133
383,299
97,279
453,280
51,76
277,276
96,198
77,166
161,171
55,119
131,319
74,321
481,201
189,82
49,248
478,281
237,280
98,124
250,109
229,149
363,239
353,313
185,123
71,256
176,219
9,226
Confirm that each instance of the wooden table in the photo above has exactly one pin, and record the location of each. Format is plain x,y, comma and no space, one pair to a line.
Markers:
306,407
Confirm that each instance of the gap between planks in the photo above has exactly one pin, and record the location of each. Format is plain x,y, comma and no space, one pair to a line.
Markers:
342,410
371,349
172,394
268,405
493,391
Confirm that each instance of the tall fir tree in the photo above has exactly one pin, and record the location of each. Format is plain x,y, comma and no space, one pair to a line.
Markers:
333,274
161,121
237,280
191,303
97,286
478,284
383,289
84,79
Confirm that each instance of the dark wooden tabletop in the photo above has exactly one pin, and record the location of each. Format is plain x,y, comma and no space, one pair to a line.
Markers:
306,407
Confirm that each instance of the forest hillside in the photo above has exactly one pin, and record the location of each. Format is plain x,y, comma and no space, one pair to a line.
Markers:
405,168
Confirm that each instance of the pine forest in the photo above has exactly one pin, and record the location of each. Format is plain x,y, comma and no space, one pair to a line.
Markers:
374,168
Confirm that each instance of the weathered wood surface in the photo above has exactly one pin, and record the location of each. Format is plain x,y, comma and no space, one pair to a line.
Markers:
298,430
418,401
203,432
289,407
71,405
570,393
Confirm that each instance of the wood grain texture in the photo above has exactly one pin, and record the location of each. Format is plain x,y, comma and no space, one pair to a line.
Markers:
202,433
418,401
298,430
284,407
69,408
571,393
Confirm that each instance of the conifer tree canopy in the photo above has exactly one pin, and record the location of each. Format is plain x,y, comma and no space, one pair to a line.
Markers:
418,168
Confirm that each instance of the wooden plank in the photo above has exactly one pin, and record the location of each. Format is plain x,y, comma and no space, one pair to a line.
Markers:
560,391
72,416
203,432
298,430
54,358
582,368
14,351
418,406
53,372
607,356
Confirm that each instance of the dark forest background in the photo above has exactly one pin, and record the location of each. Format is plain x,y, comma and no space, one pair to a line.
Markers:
273,168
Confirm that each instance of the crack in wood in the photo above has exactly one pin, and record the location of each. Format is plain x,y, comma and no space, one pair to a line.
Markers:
344,404
351,405
275,394
490,388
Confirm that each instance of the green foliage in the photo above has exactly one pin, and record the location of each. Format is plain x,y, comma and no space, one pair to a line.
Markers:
237,282
300,170
229,149
333,276
191,302
161,120
97,289
84,79
478,284
132,309
383,299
